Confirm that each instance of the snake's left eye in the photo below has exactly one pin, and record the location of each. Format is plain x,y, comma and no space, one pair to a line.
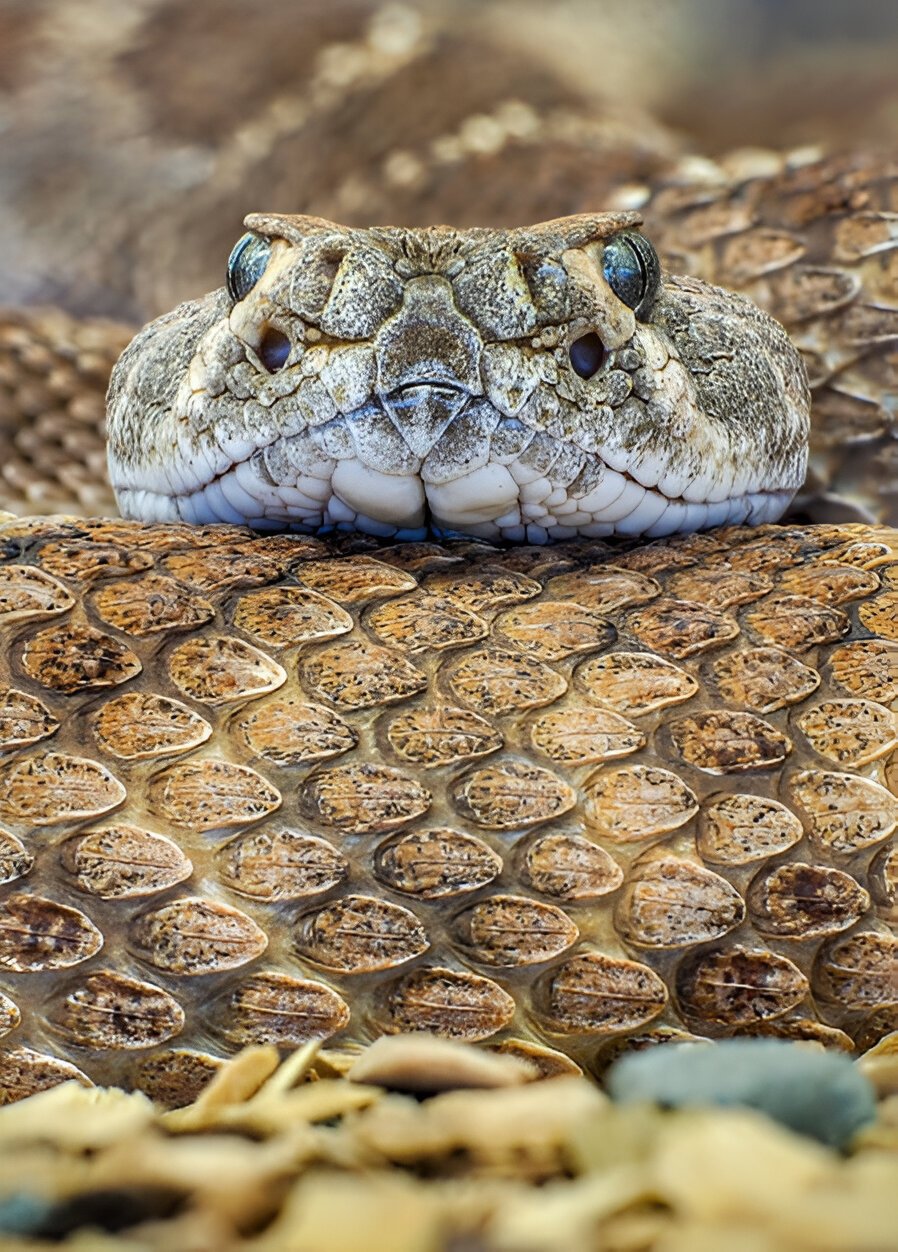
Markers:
632,270
246,264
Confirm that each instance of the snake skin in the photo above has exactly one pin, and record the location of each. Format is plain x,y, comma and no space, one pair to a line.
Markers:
565,800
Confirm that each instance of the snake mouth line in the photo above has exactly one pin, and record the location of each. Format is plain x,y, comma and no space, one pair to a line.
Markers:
501,500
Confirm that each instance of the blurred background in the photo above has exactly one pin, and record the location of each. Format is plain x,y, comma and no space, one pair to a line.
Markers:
134,137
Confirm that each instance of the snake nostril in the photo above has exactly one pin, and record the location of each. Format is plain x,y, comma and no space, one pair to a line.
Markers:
587,354
274,348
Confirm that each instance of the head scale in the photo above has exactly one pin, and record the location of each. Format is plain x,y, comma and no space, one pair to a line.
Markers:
523,385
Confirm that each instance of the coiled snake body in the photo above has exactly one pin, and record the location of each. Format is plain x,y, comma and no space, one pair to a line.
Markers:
561,798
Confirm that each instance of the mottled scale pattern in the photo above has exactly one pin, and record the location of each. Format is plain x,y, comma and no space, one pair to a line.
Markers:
575,798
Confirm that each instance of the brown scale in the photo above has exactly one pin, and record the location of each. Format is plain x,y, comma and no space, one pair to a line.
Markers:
566,801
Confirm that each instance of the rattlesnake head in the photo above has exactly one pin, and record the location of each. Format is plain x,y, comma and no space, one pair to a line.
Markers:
518,384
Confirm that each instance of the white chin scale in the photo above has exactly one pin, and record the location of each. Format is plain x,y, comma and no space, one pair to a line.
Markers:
496,501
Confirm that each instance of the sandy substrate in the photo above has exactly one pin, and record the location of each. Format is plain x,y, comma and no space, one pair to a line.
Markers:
300,1156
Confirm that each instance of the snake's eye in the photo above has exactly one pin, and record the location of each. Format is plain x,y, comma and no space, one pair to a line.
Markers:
632,271
587,354
246,264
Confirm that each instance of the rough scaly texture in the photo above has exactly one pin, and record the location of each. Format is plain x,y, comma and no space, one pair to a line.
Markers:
426,380
563,799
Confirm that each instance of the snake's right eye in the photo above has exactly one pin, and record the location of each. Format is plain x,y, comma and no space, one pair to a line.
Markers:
246,264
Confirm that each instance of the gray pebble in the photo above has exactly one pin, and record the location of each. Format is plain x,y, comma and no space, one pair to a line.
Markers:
22,1213
820,1094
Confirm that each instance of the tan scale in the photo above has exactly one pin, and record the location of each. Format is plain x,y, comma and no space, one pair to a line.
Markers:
622,838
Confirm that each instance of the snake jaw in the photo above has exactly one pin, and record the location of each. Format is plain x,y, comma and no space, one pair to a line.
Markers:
426,384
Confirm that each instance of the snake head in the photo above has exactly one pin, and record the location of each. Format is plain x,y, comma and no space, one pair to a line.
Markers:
524,385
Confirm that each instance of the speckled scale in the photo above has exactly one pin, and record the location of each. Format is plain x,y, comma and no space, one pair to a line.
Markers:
738,987
453,1003
868,668
110,1010
422,622
859,970
361,675
805,902
285,617
679,628
441,735
53,787
25,1071
122,861
569,866
495,682
360,934
635,683
28,592
795,623
365,799
86,562
567,798
150,605
598,994
174,1077
192,935
721,742
289,731
510,930
670,902
280,864
141,725
355,579
844,813
75,657
484,588
763,679
604,588
553,629
24,719
278,1009
41,934
221,670
15,859
738,829
637,802
511,795
720,588
204,794
584,736
211,569
850,732
429,864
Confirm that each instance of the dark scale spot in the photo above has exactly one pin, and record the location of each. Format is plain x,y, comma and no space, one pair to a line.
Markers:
587,354
274,349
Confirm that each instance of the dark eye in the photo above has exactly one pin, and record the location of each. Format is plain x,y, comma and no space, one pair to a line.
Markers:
246,264
632,270
274,348
587,354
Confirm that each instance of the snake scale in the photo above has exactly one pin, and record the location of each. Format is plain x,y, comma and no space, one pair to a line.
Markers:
559,798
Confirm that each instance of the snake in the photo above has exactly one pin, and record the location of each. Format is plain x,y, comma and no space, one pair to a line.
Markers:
446,668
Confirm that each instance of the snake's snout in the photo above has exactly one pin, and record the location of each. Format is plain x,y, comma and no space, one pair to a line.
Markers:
422,412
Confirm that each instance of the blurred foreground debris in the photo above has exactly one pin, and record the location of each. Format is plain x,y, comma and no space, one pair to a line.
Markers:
302,1156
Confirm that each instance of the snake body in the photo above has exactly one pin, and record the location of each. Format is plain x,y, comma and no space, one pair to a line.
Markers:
565,798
